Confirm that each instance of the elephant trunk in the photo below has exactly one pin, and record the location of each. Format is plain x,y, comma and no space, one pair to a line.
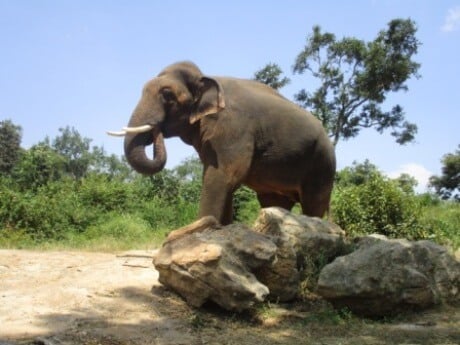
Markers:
135,151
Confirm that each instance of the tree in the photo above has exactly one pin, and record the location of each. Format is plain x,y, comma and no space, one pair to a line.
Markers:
38,166
271,75
10,145
355,78
189,176
407,183
190,169
448,184
356,175
111,166
75,149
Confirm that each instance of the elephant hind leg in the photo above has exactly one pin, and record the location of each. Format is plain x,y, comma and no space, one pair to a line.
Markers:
315,201
273,199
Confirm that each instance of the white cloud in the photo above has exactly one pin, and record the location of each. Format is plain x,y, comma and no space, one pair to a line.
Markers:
417,171
452,21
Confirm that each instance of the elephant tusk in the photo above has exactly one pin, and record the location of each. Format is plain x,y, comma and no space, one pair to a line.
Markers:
140,129
117,134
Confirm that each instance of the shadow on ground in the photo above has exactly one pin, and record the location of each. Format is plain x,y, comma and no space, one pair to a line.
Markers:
161,317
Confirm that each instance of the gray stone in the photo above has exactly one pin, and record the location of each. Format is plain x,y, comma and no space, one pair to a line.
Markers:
216,264
385,276
304,245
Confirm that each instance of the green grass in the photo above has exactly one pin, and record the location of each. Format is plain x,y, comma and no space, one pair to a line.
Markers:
442,223
116,232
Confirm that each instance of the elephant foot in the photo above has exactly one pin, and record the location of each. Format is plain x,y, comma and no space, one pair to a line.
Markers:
197,226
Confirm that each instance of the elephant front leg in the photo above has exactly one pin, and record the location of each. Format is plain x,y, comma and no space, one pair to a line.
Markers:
217,196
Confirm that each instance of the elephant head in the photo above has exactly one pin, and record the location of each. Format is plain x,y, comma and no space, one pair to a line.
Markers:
170,105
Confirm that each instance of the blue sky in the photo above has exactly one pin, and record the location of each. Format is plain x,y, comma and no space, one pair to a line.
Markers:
83,64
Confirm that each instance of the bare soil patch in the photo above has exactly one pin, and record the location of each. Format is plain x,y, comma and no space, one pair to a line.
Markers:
53,298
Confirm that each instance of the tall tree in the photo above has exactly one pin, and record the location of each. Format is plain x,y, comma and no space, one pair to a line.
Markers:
407,183
271,75
76,151
356,175
448,184
190,169
38,166
10,145
355,78
110,165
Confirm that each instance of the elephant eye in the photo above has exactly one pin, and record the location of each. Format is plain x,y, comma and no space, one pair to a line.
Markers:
168,95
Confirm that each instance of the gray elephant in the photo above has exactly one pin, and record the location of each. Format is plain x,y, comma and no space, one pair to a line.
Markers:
244,132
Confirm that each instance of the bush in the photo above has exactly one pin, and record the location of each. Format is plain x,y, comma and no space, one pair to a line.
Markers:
245,205
106,194
124,227
441,220
377,206
163,215
48,213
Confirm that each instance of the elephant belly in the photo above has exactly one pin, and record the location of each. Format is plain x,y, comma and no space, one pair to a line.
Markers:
269,180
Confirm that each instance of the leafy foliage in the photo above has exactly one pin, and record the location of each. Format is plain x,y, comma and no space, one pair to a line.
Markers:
76,151
364,201
377,206
10,145
440,220
407,183
271,75
355,78
356,175
245,205
106,206
38,166
448,184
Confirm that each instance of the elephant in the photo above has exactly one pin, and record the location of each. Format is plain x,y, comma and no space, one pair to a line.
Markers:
245,133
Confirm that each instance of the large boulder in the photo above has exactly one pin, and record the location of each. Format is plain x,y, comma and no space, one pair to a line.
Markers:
383,276
305,244
216,264
235,266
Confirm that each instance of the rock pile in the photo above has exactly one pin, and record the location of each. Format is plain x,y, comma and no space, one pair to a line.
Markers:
236,266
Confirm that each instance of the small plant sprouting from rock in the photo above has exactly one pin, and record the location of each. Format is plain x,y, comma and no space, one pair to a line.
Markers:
311,269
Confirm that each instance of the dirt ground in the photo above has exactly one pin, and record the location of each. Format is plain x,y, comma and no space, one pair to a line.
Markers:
54,298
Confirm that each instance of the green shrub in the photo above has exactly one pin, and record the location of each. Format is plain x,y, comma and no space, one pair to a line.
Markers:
48,213
442,222
245,206
377,206
161,214
116,231
16,239
124,227
106,194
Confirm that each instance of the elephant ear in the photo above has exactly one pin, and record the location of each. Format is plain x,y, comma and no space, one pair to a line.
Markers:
210,100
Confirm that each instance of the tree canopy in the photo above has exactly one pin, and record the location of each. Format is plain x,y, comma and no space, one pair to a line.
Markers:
271,75
355,78
10,145
448,184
